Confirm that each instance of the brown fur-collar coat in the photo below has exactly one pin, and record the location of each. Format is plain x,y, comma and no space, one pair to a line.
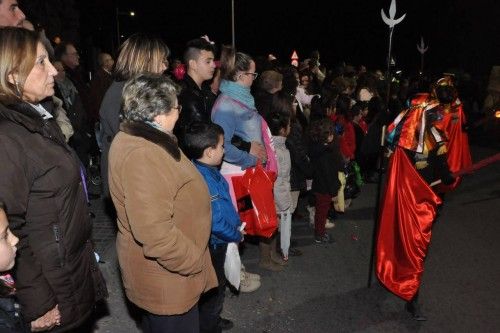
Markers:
164,221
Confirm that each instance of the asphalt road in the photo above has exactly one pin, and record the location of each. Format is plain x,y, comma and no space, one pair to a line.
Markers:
325,290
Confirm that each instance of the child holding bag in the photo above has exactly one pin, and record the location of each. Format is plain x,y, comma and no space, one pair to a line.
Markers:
204,143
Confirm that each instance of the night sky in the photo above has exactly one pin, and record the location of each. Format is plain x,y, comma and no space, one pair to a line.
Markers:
460,34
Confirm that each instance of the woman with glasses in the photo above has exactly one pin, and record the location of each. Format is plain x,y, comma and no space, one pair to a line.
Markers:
236,113
138,54
234,109
162,242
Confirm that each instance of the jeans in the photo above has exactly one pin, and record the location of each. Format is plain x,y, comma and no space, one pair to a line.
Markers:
212,301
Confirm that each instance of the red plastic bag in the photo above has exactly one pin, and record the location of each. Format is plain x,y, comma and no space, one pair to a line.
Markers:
255,201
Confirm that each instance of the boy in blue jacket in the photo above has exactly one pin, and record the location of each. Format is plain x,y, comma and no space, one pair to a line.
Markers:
204,144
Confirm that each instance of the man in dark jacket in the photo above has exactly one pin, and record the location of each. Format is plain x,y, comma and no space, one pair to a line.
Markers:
72,103
84,144
99,85
195,97
67,53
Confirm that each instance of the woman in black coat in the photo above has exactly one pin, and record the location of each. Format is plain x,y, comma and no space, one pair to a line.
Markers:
41,184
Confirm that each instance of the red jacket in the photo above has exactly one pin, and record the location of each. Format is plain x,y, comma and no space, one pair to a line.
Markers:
347,140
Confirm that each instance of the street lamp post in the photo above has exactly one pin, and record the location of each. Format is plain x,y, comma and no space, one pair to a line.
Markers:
117,15
232,24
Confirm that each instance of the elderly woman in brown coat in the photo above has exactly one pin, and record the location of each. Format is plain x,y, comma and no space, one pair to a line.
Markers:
163,209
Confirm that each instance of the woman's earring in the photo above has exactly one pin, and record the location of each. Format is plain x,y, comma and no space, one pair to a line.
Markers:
17,88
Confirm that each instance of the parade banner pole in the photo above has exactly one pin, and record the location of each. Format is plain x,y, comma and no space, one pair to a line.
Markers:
476,166
391,21
422,49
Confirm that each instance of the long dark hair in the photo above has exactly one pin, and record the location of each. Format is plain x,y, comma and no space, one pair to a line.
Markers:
320,130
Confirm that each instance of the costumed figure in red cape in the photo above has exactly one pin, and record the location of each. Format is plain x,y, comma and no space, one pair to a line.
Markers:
409,204
452,124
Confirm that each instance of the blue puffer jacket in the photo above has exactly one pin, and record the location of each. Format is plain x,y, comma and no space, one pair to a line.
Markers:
225,219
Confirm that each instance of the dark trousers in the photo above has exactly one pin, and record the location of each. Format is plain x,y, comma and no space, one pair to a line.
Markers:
185,323
323,202
212,301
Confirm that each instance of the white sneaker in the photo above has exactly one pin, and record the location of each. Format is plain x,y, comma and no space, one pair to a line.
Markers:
252,276
248,285
329,224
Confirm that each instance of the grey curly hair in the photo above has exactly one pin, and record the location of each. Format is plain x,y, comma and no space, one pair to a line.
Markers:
147,95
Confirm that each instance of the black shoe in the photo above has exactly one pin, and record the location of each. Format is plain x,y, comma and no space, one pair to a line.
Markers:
371,178
293,252
415,311
332,214
225,324
325,239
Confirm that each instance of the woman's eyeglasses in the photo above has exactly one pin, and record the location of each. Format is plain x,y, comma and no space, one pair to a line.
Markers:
255,74
178,108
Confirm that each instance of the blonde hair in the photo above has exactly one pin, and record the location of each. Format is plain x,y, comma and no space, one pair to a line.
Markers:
17,56
270,80
140,54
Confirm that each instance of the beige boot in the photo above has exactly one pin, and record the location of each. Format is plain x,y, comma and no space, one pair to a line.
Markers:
275,257
251,276
265,258
248,285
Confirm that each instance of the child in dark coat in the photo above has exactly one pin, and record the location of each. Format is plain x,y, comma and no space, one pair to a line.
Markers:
327,162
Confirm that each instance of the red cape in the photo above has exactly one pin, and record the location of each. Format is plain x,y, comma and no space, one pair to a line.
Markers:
408,210
459,157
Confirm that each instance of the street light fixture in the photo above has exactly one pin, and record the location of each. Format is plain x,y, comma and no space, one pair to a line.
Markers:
117,15
232,25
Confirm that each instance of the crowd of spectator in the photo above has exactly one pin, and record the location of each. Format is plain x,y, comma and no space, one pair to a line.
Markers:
169,136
